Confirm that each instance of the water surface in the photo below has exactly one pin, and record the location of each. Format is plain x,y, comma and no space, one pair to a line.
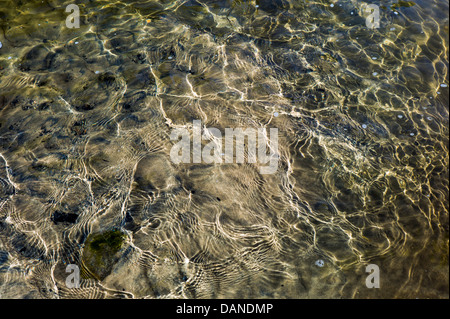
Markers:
86,177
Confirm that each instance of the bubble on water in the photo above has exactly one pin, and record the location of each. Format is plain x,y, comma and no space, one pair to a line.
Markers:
319,263
364,126
400,116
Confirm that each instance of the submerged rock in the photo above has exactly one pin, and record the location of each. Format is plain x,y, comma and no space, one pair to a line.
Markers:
3,257
403,4
101,252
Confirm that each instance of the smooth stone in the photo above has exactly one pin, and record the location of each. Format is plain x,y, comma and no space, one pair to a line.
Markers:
101,251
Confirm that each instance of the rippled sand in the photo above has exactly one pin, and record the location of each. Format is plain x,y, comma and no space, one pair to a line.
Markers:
85,120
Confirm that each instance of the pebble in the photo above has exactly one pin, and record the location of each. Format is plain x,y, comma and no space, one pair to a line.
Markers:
412,134
375,73
97,72
275,114
443,85
320,263
395,12
374,58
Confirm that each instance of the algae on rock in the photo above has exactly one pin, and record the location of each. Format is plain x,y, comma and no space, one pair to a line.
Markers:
101,252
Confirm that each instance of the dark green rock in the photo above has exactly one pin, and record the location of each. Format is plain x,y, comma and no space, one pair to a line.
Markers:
402,4
101,252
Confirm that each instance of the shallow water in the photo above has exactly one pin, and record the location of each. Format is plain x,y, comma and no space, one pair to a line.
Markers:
85,121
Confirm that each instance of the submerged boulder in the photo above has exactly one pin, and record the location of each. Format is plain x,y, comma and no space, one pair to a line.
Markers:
101,251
